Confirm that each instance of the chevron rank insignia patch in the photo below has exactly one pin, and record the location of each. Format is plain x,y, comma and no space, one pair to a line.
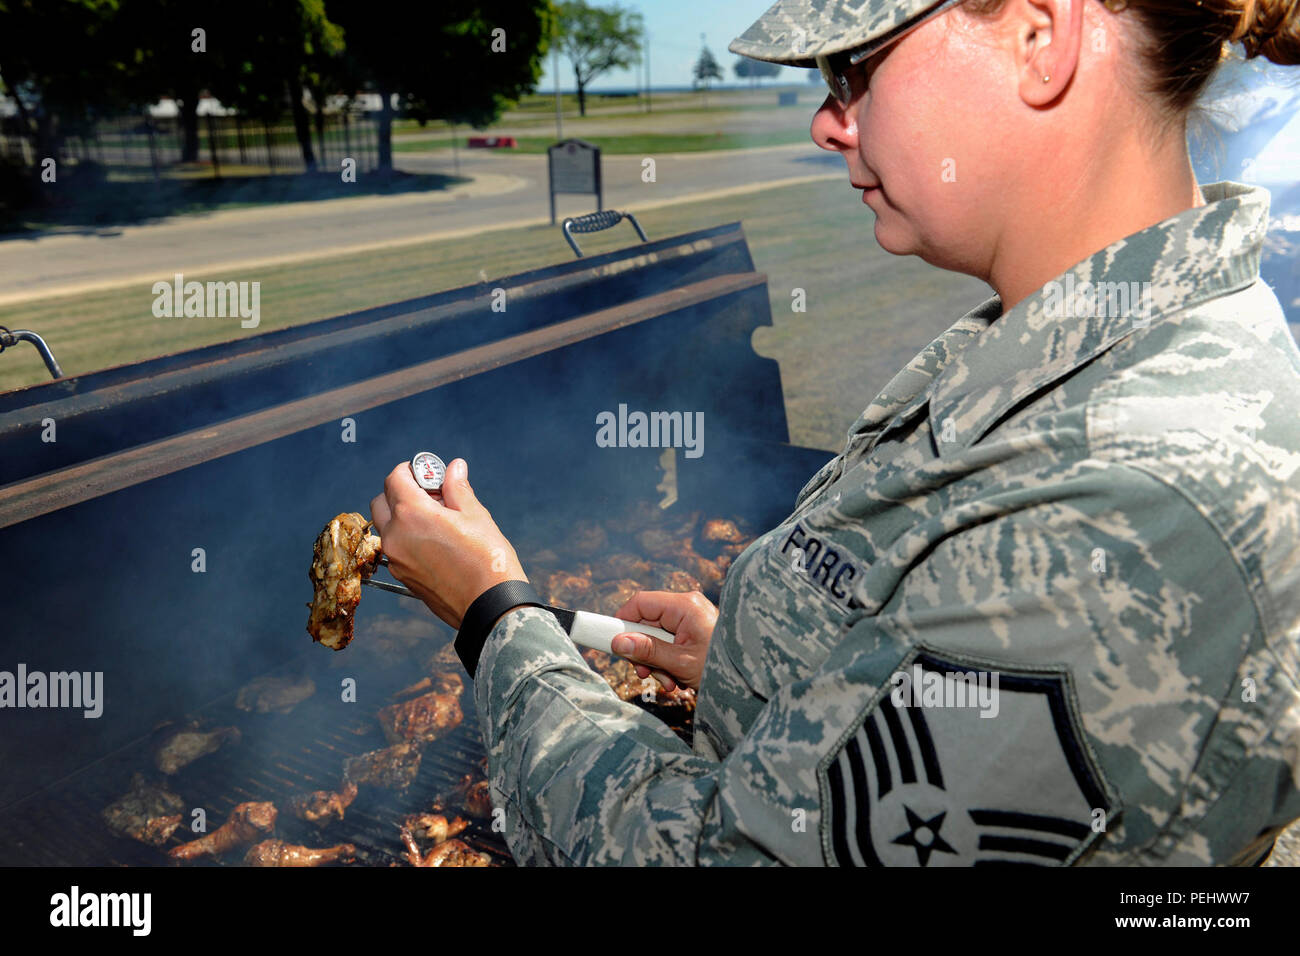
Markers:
964,765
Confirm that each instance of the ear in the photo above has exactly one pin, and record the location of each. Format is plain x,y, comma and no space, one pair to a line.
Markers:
1047,36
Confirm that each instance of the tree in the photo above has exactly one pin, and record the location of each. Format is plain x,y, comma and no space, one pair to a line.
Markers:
285,48
755,70
596,39
706,70
423,55
56,65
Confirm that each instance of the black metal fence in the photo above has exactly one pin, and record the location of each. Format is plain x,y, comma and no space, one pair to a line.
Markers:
158,142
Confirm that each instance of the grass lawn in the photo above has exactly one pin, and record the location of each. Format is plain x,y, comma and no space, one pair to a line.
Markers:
867,312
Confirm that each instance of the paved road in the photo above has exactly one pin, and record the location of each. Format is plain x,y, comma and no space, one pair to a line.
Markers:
506,191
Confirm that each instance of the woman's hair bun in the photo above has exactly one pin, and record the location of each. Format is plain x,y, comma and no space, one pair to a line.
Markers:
1268,28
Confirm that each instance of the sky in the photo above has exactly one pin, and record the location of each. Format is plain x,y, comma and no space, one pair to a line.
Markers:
674,27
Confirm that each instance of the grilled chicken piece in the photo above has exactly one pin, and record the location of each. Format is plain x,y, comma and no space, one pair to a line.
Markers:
722,531
247,822
279,853
425,718
434,826
323,807
621,676
612,595
665,577
393,768
659,544
451,853
709,572
567,590
344,554
275,694
148,813
472,795
622,564
441,679
683,526
185,743
444,658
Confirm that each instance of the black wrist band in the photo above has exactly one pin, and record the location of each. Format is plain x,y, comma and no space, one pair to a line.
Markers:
482,615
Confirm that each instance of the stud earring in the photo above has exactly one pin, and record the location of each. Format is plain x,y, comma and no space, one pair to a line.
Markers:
1047,77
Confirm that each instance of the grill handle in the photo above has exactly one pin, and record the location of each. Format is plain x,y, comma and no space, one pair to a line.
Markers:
9,339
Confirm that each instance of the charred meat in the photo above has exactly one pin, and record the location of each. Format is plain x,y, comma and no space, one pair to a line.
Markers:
393,768
274,694
623,564
148,813
344,554
473,796
612,595
722,531
443,682
279,853
248,822
567,590
621,677
665,577
434,826
182,744
450,853
323,807
425,718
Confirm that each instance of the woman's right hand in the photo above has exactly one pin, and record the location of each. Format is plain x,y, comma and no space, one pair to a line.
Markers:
689,617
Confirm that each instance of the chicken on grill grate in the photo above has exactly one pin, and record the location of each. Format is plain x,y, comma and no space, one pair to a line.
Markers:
274,694
393,768
323,807
279,853
434,826
427,717
182,744
148,813
247,822
450,853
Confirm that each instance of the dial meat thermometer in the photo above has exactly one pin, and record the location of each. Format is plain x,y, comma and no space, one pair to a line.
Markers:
583,627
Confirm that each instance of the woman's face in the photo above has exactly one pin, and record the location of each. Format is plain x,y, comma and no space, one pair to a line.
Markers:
929,131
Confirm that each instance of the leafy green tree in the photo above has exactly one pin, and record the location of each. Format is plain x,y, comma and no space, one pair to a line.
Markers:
597,39
705,71
755,70
459,60
56,66
291,45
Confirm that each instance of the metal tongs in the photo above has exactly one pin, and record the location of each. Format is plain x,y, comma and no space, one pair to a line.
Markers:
583,627
401,589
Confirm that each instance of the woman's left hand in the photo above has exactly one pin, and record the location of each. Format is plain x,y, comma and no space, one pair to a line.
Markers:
447,552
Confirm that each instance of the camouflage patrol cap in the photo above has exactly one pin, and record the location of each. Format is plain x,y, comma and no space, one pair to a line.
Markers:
796,32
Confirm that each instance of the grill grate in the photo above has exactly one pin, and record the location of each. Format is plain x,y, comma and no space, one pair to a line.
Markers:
278,757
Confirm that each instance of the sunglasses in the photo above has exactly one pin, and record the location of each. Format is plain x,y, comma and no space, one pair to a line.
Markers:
838,67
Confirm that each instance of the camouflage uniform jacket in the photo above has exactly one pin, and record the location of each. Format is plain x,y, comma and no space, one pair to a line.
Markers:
1095,506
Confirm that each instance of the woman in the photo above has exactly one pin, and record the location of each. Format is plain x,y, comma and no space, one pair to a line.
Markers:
1045,605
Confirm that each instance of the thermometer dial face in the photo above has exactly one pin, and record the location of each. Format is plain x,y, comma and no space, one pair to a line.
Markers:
428,470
